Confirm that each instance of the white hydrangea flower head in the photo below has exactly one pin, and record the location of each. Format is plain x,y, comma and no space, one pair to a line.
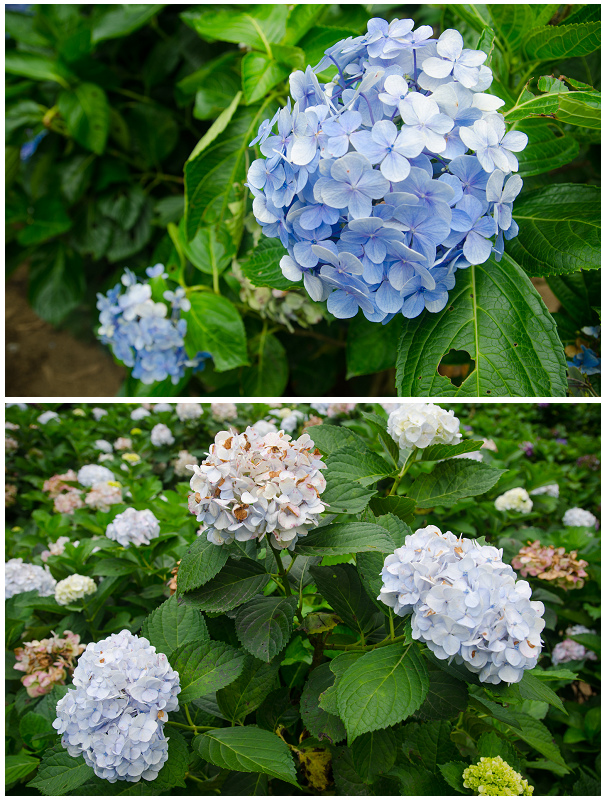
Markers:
57,548
475,455
579,518
22,577
103,445
139,413
252,484
73,588
90,474
161,435
158,407
516,499
104,495
263,427
419,425
98,413
224,411
551,489
134,527
187,411
47,416
289,418
466,604
116,713
569,650
182,462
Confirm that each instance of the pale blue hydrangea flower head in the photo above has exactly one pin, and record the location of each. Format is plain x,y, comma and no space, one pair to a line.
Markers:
402,147
22,577
91,474
133,527
116,713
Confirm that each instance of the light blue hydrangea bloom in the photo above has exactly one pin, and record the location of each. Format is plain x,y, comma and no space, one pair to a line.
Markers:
587,361
115,715
141,333
403,148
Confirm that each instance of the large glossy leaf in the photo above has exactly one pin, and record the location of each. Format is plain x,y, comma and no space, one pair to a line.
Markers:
262,267
116,21
329,438
171,625
548,147
247,749
36,67
201,562
346,497
237,582
560,229
60,773
345,537
552,42
381,688
341,586
85,110
512,21
257,28
318,722
248,691
260,74
349,464
18,767
205,667
264,625
581,108
496,315
452,480
216,327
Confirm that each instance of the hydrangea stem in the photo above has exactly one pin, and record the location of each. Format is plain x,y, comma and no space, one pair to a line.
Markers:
281,571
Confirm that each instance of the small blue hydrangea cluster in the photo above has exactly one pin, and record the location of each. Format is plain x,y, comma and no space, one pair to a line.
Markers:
587,361
386,180
115,715
142,334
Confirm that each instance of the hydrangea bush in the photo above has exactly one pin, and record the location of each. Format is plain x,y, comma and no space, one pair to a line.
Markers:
342,596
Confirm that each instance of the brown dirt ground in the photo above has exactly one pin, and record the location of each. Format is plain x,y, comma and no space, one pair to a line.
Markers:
42,361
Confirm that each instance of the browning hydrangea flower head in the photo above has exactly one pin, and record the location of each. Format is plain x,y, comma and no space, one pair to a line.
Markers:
252,484
465,603
386,180
47,662
569,650
104,495
57,548
579,518
551,564
56,484
115,715
516,499
10,494
187,411
161,435
122,443
73,588
184,459
22,577
493,777
91,474
134,527
419,425
224,411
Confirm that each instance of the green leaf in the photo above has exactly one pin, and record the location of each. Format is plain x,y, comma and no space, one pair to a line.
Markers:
438,452
580,108
85,109
263,23
32,730
48,219
172,625
206,251
268,375
495,314
218,127
154,131
319,38
345,537
447,697
374,753
56,282
206,667
347,464
338,666
341,587
558,42
262,267
116,21
548,147
236,583
173,772
531,688
347,779
512,22
18,767
201,562
114,567
371,348
491,745
23,113
264,625
247,749
560,229
401,507
245,783
260,74
452,480
215,326
370,565
39,68
381,688
343,497
247,692
590,640
329,438
22,28
452,772
320,723
60,773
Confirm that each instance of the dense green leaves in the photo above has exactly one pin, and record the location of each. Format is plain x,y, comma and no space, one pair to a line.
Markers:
320,723
381,688
200,563
215,327
497,316
205,667
260,74
560,229
60,773
346,537
18,767
172,625
374,753
243,696
447,697
341,587
565,41
347,464
236,583
452,480
114,22
264,625
85,109
548,147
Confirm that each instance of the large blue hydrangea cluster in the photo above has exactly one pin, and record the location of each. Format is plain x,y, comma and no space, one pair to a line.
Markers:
466,604
145,334
386,180
115,715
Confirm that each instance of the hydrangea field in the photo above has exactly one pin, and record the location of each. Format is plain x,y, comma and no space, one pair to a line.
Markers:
313,199
311,599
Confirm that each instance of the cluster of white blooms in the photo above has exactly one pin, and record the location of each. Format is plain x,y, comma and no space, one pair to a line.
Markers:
47,416
98,413
253,484
466,603
422,424
91,474
516,499
122,443
133,527
223,411
22,577
263,427
73,588
161,435
57,548
289,419
569,650
115,715
579,518
551,489
139,413
103,445
184,459
158,407
104,495
186,411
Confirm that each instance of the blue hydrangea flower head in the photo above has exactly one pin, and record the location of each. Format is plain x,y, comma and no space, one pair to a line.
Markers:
403,147
148,336
587,361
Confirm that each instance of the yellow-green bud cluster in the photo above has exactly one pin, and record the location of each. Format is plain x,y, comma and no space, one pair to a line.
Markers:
493,777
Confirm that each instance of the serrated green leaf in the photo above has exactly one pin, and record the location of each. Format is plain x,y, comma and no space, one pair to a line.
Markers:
374,753
260,74
438,452
431,742
401,507
370,565
347,464
247,749
172,625
216,327
381,688
341,587
344,497
447,697
236,583
558,42
452,772
60,773
206,667
243,696
34,729
320,723
85,109
512,22
580,108
262,267
18,767
452,480
560,229
173,772
548,148
347,779
329,438
345,537
498,317
264,625
338,666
